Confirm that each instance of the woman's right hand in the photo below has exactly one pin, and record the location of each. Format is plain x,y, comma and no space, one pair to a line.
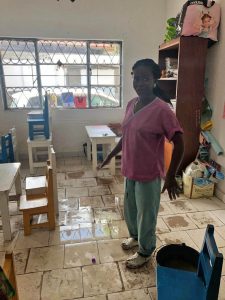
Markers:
105,162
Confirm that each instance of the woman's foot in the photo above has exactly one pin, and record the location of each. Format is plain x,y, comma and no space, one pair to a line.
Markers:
136,261
129,243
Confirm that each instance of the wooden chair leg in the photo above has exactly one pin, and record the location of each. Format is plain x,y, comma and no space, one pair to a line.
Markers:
51,220
26,224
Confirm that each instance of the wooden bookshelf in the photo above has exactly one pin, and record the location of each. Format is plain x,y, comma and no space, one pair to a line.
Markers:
187,88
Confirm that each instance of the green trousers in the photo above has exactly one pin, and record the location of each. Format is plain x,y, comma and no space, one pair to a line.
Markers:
141,206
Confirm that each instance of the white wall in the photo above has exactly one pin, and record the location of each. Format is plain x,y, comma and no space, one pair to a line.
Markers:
215,72
134,22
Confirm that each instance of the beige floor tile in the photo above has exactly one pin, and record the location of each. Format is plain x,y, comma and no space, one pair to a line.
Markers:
97,231
81,182
203,218
137,278
99,190
101,231
220,214
46,258
106,215
179,222
74,160
106,180
89,173
161,226
29,286
181,206
222,289
91,201
204,204
120,179
20,260
61,193
107,280
164,197
222,250
177,237
68,204
62,284
83,215
61,218
87,233
117,188
130,295
2,258
109,200
221,231
197,235
38,238
164,209
82,254
111,251
153,293
219,202
60,236
99,297
118,229
16,223
61,178
14,208
78,173
76,192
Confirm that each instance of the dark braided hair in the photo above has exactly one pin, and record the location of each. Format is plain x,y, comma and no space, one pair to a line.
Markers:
154,68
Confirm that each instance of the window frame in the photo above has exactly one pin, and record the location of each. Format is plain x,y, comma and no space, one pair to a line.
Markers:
40,87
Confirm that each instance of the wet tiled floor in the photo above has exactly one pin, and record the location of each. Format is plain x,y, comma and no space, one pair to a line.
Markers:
82,257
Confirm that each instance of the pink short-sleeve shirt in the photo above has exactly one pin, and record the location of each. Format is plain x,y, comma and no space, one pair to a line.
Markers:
143,139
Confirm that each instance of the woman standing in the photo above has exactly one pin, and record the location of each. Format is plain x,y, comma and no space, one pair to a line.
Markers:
148,120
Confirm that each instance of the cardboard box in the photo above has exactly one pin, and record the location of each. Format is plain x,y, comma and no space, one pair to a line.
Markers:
194,191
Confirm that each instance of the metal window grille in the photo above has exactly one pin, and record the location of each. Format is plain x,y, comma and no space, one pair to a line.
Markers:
76,74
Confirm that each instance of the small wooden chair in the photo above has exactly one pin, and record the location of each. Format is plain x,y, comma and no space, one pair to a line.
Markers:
39,205
6,149
35,185
40,124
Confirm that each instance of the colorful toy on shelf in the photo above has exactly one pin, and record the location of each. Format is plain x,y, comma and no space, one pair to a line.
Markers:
170,29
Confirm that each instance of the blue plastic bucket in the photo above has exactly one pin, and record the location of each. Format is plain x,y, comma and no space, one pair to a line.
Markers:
173,261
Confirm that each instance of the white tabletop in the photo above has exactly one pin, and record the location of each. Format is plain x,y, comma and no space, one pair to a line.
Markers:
7,175
97,131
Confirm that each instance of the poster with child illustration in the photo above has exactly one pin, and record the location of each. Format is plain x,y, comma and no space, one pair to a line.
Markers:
202,21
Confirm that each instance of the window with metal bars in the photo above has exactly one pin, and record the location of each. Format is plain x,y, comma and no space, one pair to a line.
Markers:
75,74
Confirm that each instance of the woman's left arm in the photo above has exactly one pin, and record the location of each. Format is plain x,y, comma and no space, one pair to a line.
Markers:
170,182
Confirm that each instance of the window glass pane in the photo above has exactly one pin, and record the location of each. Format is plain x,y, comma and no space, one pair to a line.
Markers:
64,69
17,52
105,96
62,52
22,98
70,75
20,75
68,97
105,75
104,53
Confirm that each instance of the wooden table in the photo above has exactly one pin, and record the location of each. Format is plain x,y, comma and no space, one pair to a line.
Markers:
9,174
100,134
